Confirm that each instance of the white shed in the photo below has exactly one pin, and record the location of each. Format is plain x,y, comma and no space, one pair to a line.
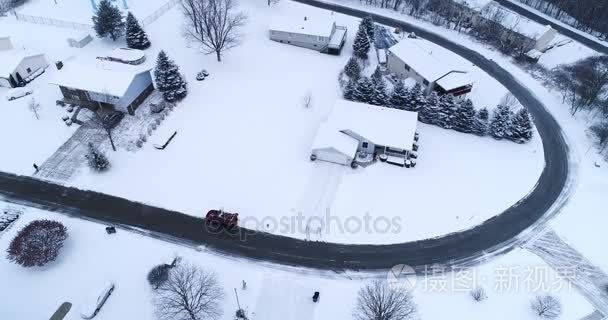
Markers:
5,43
20,66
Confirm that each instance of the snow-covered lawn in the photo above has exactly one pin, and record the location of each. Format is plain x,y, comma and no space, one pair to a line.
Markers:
568,53
273,292
81,11
244,139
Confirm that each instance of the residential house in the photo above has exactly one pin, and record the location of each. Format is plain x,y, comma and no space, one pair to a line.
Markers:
354,129
321,34
118,86
412,58
18,67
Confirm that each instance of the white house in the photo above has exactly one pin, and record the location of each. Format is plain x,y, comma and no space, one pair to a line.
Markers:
18,67
122,87
354,128
318,33
410,58
520,30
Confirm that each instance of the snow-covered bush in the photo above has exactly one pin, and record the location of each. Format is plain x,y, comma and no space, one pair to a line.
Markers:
547,307
379,301
158,275
38,243
96,159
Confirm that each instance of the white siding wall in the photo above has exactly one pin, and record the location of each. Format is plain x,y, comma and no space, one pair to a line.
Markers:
398,67
32,63
139,84
310,41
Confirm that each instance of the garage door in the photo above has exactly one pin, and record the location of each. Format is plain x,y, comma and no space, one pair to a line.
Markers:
333,156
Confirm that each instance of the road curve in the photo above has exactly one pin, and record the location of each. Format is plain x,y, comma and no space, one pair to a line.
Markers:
532,15
493,235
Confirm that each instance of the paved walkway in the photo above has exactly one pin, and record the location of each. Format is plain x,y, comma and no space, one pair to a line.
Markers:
571,265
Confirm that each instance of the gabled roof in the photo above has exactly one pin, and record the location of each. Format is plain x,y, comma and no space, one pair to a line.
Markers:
317,25
328,137
109,78
10,60
516,22
454,80
381,126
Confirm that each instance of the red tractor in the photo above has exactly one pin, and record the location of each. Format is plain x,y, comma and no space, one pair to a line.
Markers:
220,218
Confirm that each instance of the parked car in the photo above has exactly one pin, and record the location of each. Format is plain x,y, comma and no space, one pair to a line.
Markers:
17,93
220,218
91,307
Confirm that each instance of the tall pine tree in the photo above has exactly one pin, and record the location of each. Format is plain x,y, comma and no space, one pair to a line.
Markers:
416,99
380,97
108,20
464,118
136,36
521,127
447,111
364,92
352,69
361,44
501,122
399,96
96,159
429,113
168,79
368,25
480,124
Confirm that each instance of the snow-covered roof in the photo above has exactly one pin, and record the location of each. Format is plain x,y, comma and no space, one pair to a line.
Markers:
381,126
516,22
10,60
429,63
105,78
127,54
329,137
454,80
317,25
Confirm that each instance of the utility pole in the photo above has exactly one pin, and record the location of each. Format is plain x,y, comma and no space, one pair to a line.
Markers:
237,299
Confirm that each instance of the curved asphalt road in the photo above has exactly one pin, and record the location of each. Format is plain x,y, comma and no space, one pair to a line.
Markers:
491,236
530,14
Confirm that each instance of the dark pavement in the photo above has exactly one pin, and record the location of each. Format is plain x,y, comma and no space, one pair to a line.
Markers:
496,234
595,45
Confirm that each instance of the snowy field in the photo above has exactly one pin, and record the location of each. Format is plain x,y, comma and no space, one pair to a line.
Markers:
244,139
81,11
570,52
90,256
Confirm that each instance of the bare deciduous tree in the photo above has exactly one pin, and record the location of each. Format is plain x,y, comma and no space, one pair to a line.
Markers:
600,131
213,24
189,293
377,301
509,100
34,106
479,294
547,307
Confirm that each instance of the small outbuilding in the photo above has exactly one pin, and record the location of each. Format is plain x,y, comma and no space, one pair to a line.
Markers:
5,43
18,67
357,129
80,40
110,84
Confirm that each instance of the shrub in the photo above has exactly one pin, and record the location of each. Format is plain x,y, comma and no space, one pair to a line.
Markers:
479,294
38,243
158,275
547,307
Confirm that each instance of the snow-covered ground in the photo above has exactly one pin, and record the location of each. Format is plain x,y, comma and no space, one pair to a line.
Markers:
244,139
81,11
571,51
90,256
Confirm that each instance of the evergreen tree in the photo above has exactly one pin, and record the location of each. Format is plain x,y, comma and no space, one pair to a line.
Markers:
447,111
96,159
380,97
429,113
108,20
136,36
168,79
501,122
368,25
364,92
416,99
480,123
399,96
361,44
521,127
349,90
352,69
464,118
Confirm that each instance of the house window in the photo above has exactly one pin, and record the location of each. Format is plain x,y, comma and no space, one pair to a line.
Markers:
425,82
29,70
407,67
321,39
364,145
